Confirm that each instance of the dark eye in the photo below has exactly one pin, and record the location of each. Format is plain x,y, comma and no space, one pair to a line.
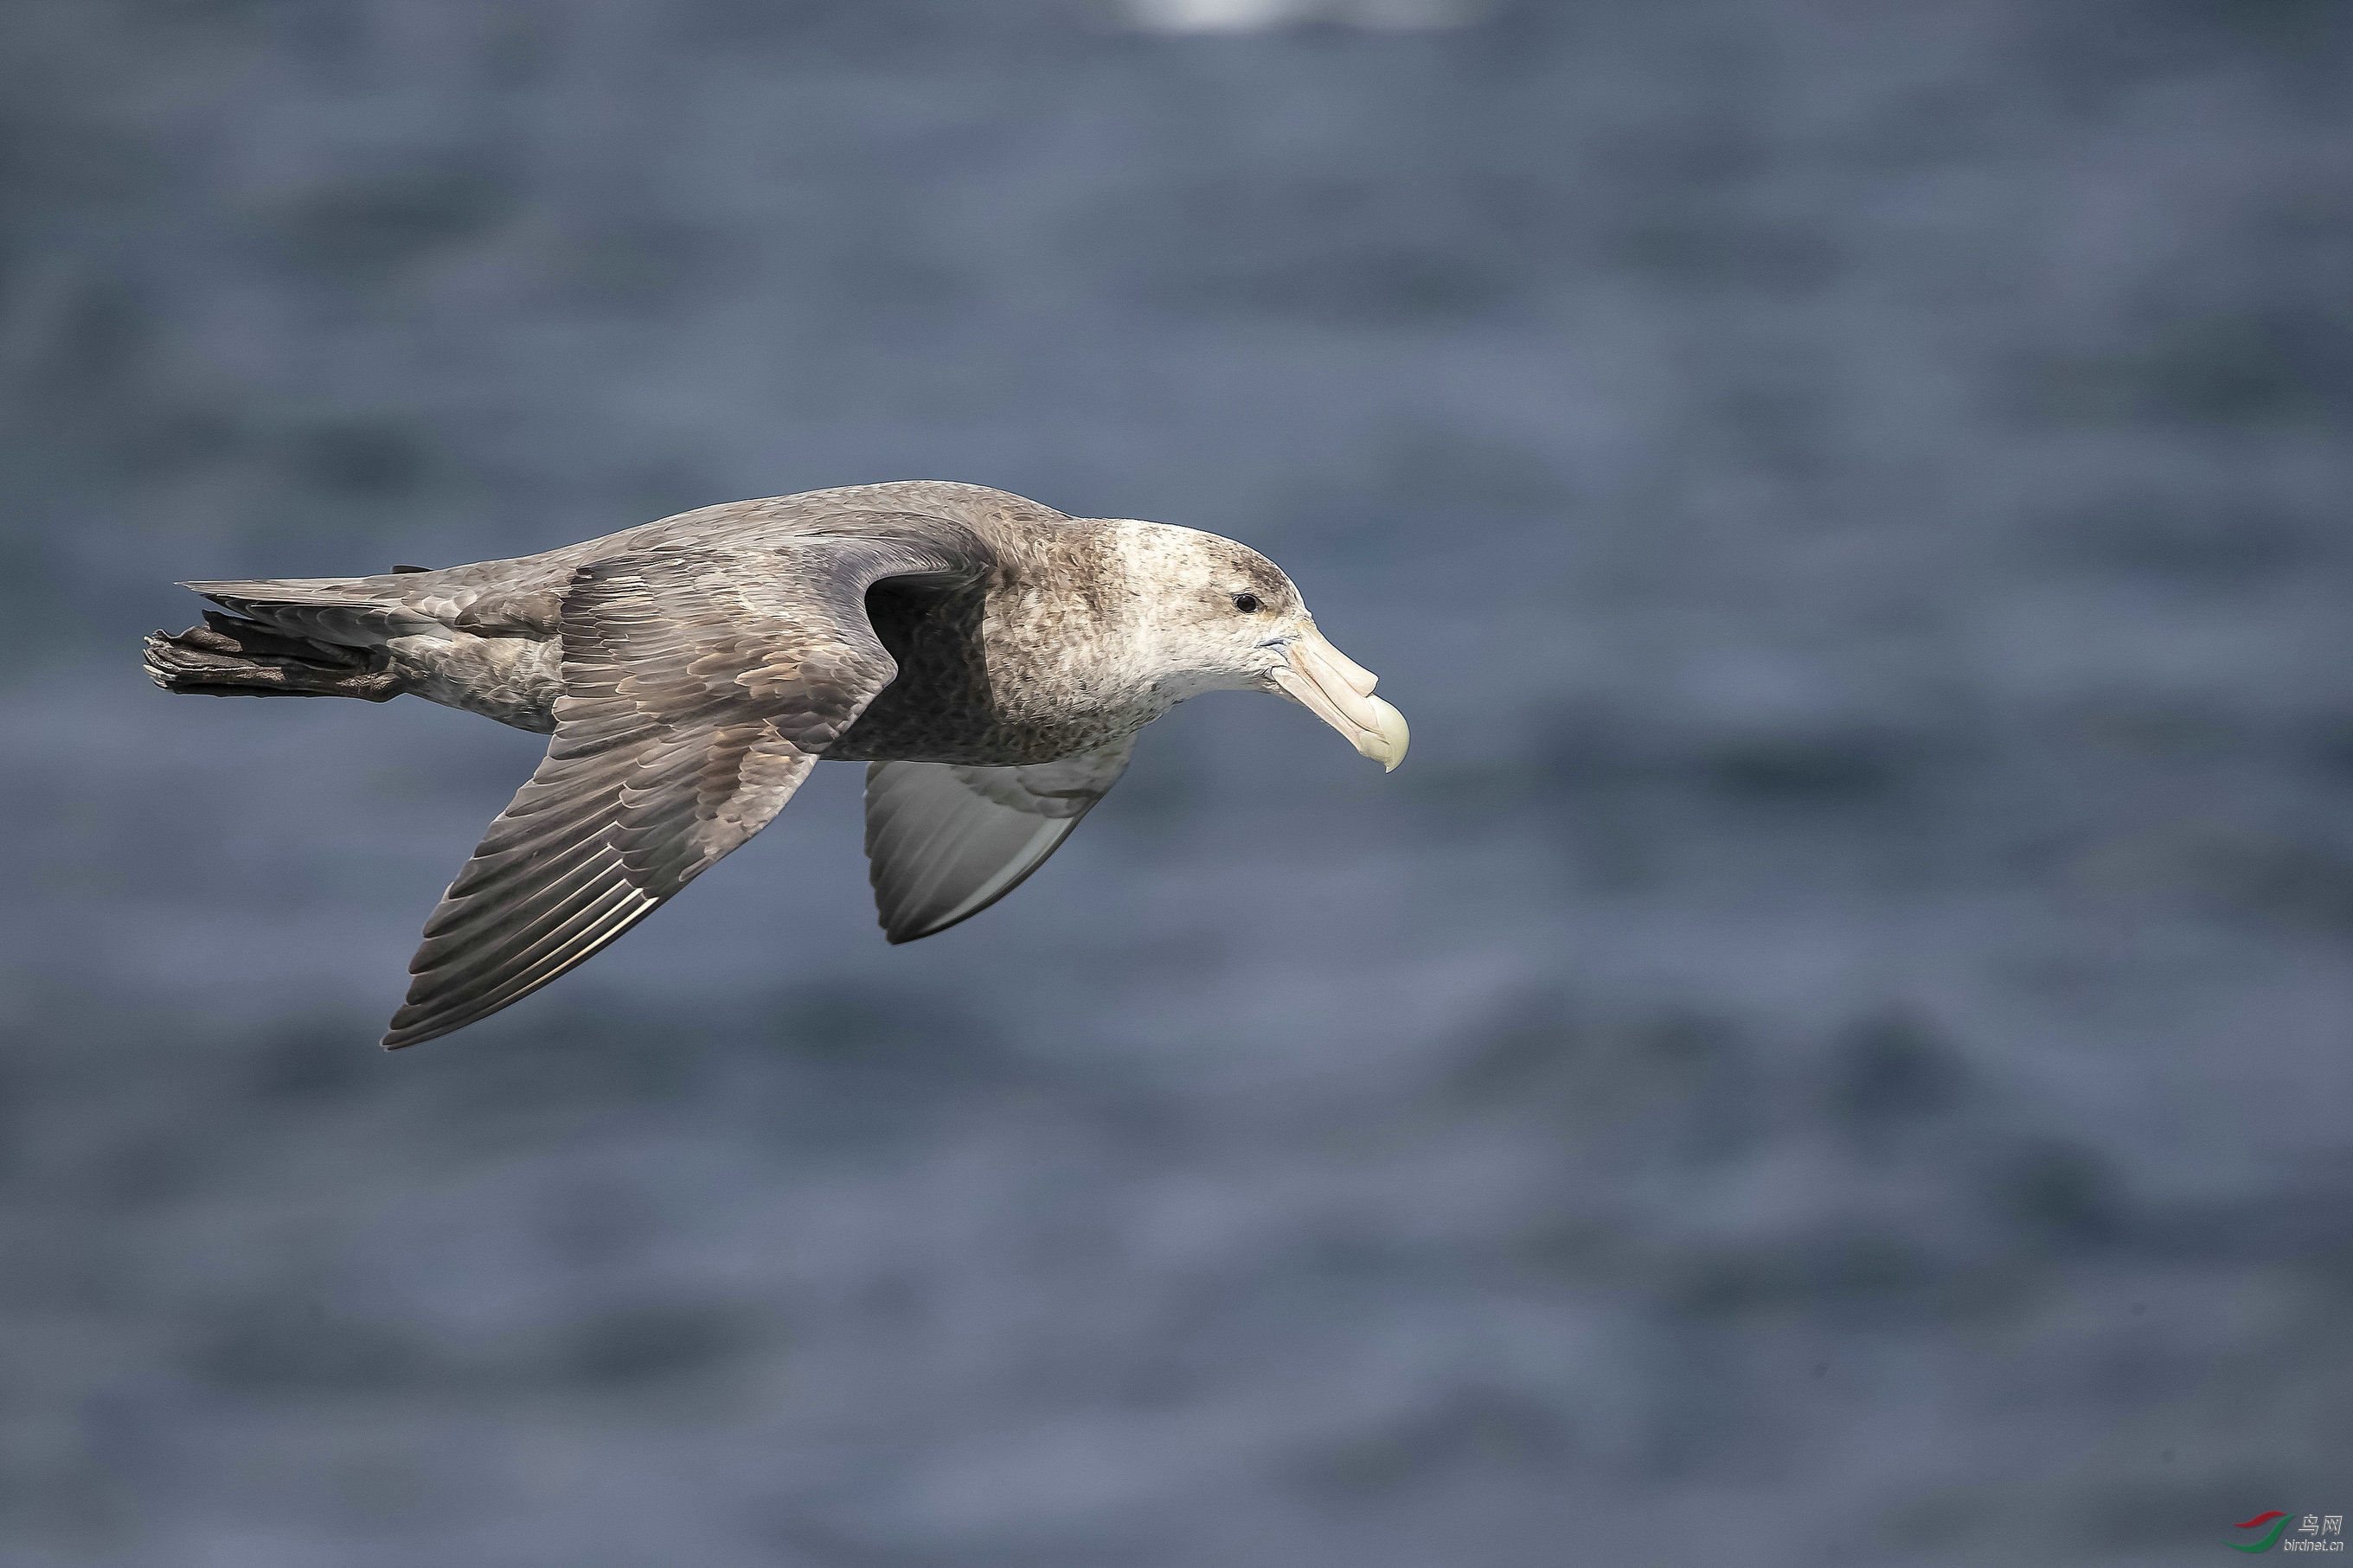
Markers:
1246,603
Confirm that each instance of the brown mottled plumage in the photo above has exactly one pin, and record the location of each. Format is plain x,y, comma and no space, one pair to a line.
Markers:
992,658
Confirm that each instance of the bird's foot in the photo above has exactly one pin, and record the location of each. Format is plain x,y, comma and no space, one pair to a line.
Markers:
231,656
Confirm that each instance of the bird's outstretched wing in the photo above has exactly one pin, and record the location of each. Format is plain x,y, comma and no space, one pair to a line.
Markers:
944,842
700,687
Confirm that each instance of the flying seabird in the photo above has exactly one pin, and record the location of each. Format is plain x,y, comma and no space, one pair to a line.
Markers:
989,659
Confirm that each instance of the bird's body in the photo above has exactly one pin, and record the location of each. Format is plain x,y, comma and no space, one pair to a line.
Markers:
992,658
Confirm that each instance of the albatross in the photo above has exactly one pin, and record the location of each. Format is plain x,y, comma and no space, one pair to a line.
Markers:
989,658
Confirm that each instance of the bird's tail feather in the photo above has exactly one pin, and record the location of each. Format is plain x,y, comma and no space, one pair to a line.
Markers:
323,609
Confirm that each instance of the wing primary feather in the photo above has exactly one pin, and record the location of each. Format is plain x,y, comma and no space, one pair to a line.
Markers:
944,842
689,674
514,930
623,908
1008,873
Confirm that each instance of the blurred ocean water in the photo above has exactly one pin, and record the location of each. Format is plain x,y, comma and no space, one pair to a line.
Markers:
1833,1049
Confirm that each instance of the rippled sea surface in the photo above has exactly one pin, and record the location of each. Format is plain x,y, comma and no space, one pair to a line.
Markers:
1837,1046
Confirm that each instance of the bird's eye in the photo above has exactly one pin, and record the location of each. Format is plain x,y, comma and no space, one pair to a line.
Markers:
1246,603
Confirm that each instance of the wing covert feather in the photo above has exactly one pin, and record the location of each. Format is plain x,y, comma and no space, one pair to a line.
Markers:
701,685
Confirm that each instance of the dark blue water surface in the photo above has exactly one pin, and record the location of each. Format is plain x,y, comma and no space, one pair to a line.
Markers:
1833,1049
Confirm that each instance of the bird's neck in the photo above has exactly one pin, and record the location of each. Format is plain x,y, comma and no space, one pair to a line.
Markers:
1073,612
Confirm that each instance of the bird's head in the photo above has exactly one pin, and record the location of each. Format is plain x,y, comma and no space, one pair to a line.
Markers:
1224,617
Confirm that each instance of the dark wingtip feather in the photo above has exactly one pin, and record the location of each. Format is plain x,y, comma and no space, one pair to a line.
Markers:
397,1039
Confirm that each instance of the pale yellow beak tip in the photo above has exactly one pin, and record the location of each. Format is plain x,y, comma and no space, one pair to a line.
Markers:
1340,692
1386,744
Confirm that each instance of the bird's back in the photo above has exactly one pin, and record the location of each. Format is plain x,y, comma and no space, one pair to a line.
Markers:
521,596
